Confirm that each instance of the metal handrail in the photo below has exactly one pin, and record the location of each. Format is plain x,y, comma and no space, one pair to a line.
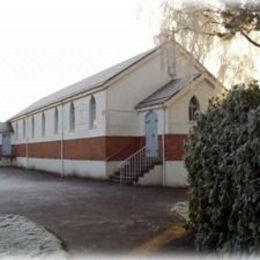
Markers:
134,165
125,148
132,155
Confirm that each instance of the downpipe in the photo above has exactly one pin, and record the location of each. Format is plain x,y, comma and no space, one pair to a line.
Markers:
163,146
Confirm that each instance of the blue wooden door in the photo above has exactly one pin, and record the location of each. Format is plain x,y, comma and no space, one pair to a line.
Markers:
151,135
6,144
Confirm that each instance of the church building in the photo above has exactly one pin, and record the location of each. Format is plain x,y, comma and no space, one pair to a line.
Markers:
127,123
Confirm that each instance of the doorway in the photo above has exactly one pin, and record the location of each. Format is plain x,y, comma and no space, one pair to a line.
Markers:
6,144
151,135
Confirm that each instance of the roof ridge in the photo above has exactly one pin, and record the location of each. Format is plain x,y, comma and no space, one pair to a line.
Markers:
89,83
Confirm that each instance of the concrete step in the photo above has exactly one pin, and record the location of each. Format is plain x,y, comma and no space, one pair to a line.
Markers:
5,162
133,180
116,179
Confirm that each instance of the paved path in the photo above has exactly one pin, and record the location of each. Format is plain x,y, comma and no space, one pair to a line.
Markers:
89,216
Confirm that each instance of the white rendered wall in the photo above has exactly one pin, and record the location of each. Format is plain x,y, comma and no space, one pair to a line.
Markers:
21,162
112,167
93,169
82,127
175,174
137,83
178,114
185,68
126,93
153,178
140,82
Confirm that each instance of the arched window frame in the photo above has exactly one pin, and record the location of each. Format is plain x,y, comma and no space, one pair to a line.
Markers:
16,130
24,129
43,124
92,112
194,106
72,118
33,126
56,120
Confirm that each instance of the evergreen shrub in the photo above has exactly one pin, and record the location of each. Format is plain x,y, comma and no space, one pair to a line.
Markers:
222,156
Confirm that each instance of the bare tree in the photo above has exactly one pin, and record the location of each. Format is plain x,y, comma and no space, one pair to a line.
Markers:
240,17
213,30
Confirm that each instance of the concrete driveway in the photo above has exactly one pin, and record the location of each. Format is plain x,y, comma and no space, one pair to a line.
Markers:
89,216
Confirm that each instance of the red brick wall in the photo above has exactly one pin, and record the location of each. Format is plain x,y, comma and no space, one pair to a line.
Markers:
20,150
85,149
174,144
97,148
45,150
112,148
120,147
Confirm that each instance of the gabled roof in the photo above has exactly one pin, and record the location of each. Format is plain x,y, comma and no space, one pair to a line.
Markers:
90,83
166,92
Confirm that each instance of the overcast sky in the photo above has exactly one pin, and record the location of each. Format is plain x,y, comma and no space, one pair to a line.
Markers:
46,45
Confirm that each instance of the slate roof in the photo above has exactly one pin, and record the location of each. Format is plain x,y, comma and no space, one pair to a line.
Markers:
166,92
87,84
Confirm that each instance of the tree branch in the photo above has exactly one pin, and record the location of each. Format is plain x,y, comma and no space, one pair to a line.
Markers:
250,39
192,30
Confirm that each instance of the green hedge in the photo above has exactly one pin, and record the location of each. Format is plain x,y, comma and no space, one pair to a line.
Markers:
223,161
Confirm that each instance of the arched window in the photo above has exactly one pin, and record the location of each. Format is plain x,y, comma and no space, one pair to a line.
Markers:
193,108
16,130
72,117
43,124
92,113
24,129
56,120
33,126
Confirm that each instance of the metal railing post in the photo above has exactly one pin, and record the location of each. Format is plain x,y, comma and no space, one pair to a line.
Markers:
134,165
